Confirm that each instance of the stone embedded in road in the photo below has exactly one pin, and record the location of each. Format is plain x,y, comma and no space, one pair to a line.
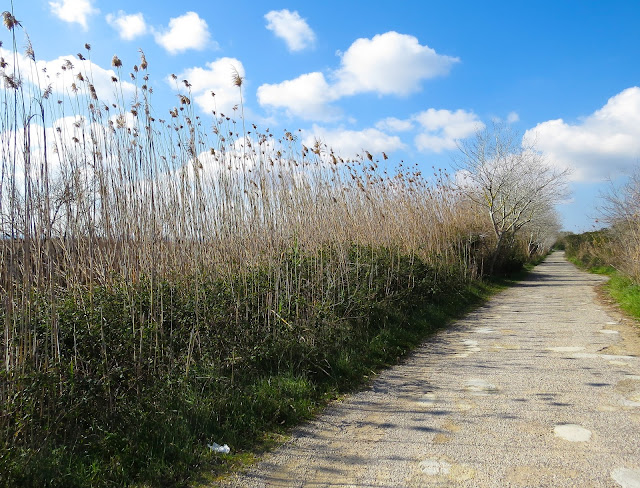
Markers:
480,387
572,433
428,399
608,331
565,349
483,330
627,478
435,467
593,355
472,346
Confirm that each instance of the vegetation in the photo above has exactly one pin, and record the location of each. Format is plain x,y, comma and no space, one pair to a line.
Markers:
515,186
168,283
614,250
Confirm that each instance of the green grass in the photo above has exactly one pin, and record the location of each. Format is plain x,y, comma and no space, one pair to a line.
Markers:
355,367
620,287
106,417
600,269
626,293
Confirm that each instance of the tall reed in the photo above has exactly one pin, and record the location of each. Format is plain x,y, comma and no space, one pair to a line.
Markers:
142,251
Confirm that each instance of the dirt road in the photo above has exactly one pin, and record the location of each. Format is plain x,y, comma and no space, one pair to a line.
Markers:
540,387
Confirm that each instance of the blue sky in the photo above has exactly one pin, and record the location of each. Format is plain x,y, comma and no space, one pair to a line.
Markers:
406,77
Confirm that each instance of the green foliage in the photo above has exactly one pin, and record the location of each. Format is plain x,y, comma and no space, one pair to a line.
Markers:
590,249
120,405
626,293
596,251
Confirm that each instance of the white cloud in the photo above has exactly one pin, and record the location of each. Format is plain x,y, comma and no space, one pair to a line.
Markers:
216,78
443,128
393,124
128,26
77,11
349,143
307,97
188,31
292,28
99,77
389,63
513,117
62,72
604,144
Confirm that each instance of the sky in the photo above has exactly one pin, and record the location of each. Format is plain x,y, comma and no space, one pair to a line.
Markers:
410,78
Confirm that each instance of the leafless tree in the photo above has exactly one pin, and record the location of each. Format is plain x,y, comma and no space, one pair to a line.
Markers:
513,183
621,211
543,230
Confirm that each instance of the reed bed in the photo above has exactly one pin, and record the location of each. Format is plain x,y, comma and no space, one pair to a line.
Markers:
169,279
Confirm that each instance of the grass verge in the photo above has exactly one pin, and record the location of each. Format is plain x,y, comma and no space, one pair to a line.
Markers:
620,287
356,367
626,293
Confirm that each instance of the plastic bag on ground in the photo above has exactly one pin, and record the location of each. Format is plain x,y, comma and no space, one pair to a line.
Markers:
219,449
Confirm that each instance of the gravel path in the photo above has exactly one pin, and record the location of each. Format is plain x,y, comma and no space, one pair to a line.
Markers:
540,387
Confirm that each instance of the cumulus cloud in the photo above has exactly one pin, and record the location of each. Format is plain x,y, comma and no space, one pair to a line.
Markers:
59,74
188,31
441,129
602,145
292,28
307,97
437,131
349,143
393,124
387,64
74,11
128,26
216,77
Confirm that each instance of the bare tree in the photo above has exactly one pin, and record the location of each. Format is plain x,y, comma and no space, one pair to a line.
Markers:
621,210
512,182
543,231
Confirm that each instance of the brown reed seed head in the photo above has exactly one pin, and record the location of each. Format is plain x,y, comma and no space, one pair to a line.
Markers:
9,20
235,77
143,60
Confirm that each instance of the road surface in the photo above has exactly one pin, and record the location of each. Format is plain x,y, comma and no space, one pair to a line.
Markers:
540,387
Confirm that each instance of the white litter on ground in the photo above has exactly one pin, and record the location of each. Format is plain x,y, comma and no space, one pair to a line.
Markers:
219,449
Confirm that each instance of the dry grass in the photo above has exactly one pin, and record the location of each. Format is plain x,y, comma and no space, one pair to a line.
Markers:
98,192
138,247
